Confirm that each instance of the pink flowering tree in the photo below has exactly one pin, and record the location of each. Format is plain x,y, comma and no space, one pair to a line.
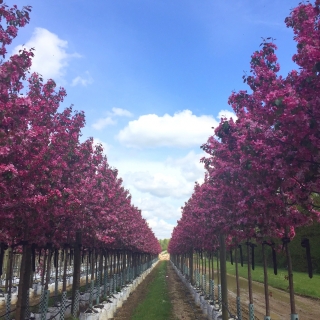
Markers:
264,167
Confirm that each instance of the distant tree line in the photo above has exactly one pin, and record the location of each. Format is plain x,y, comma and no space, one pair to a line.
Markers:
164,244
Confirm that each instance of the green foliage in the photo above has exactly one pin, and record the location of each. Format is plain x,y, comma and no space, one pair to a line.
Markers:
164,244
157,305
298,253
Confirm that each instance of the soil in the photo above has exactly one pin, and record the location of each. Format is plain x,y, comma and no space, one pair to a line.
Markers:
183,304
307,308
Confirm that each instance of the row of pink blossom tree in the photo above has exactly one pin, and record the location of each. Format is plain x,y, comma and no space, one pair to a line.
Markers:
52,185
262,177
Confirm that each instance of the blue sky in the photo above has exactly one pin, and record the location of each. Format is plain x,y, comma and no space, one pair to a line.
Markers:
153,77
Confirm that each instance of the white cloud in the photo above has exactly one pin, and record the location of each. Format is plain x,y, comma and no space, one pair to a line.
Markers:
226,114
82,81
121,112
160,188
152,207
159,184
103,122
183,129
190,166
172,178
50,55
160,227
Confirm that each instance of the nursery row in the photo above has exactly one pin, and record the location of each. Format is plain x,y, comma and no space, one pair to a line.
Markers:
57,290
58,194
262,174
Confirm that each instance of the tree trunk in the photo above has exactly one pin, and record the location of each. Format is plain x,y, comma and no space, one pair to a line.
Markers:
65,264
2,254
25,271
44,267
191,266
237,271
212,267
290,276
76,271
8,273
265,272
218,267
249,275
48,269
93,253
224,288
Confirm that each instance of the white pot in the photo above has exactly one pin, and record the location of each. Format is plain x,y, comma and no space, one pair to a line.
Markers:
209,311
67,312
217,315
204,306
89,316
31,293
39,288
103,314
115,306
197,299
14,298
98,307
120,301
109,308
37,316
2,301
54,313
125,294
118,297
51,287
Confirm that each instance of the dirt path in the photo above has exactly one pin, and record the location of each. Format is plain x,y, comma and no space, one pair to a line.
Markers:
183,306
307,308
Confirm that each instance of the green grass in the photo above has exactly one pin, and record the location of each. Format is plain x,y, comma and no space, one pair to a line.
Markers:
156,305
303,285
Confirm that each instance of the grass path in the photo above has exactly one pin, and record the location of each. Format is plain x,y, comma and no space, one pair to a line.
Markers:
161,296
156,305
